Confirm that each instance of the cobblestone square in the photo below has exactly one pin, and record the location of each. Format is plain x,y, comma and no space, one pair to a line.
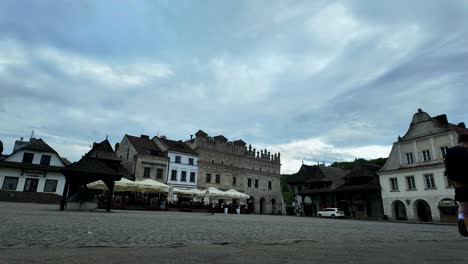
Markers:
26,226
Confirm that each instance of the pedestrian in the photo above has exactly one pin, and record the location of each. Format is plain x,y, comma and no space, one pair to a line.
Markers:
456,169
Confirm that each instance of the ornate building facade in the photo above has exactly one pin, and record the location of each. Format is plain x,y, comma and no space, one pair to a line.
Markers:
234,165
412,180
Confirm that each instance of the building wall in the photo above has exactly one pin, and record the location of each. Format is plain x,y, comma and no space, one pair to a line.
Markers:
127,153
397,167
229,160
13,172
153,162
182,166
409,198
54,159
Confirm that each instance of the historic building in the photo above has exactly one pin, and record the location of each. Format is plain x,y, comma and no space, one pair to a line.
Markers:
412,180
314,187
32,167
356,191
143,158
183,162
233,165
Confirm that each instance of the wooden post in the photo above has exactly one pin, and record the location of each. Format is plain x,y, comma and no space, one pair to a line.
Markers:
110,195
63,201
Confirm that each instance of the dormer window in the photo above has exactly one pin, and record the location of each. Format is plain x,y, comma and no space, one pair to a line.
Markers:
443,151
28,157
409,158
45,160
426,155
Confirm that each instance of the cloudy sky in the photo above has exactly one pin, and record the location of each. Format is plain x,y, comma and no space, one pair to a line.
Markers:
315,80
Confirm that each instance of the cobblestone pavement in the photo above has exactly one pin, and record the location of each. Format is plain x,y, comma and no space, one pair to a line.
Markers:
41,233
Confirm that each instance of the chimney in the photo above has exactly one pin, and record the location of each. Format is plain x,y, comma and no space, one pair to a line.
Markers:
1,148
117,145
144,136
191,137
21,138
462,125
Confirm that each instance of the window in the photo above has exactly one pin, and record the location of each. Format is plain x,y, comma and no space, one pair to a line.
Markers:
174,175
393,184
190,161
192,176
234,180
183,176
146,172
28,157
232,164
50,186
128,153
159,173
426,155
10,183
249,182
430,183
31,185
449,183
410,184
443,150
177,159
45,160
260,169
222,162
269,185
409,158
208,177
212,161
256,183
218,178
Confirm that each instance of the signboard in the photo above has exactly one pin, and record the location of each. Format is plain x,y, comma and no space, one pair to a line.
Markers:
33,173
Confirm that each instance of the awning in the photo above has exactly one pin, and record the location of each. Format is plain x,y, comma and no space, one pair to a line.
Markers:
187,191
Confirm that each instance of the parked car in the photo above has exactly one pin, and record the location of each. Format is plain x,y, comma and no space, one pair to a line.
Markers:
331,212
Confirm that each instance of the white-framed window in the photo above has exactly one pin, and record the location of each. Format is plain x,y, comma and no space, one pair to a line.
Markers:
10,183
449,183
50,186
429,181
443,151
393,184
146,172
177,159
190,161
193,176
426,155
410,183
409,158
174,175
183,177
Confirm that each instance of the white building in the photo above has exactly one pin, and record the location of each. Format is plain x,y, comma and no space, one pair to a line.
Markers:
412,180
183,164
32,167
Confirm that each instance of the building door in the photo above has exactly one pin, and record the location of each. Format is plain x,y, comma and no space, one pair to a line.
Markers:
31,185
423,211
262,205
399,210
273,206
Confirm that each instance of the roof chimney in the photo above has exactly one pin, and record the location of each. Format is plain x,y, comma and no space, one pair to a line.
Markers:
1,148
144,136
21,138
462,125
191,137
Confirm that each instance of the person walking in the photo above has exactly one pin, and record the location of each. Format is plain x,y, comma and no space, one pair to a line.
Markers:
456,169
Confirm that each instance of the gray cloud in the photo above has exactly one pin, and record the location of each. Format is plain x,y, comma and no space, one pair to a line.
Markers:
341,75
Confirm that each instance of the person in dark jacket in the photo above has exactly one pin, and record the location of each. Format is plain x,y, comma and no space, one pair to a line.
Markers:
456,165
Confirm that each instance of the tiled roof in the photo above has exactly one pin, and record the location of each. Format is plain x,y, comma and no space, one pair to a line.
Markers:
38,145
103,150
144,145
363,170
100,160
317,174
178,146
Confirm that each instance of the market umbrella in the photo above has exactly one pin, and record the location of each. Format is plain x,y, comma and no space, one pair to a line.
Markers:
187,191
236,194
122,185
149,185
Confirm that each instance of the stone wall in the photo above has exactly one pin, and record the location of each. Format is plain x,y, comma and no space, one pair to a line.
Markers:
30,197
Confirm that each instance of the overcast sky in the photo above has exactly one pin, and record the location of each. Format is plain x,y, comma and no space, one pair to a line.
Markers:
317,81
